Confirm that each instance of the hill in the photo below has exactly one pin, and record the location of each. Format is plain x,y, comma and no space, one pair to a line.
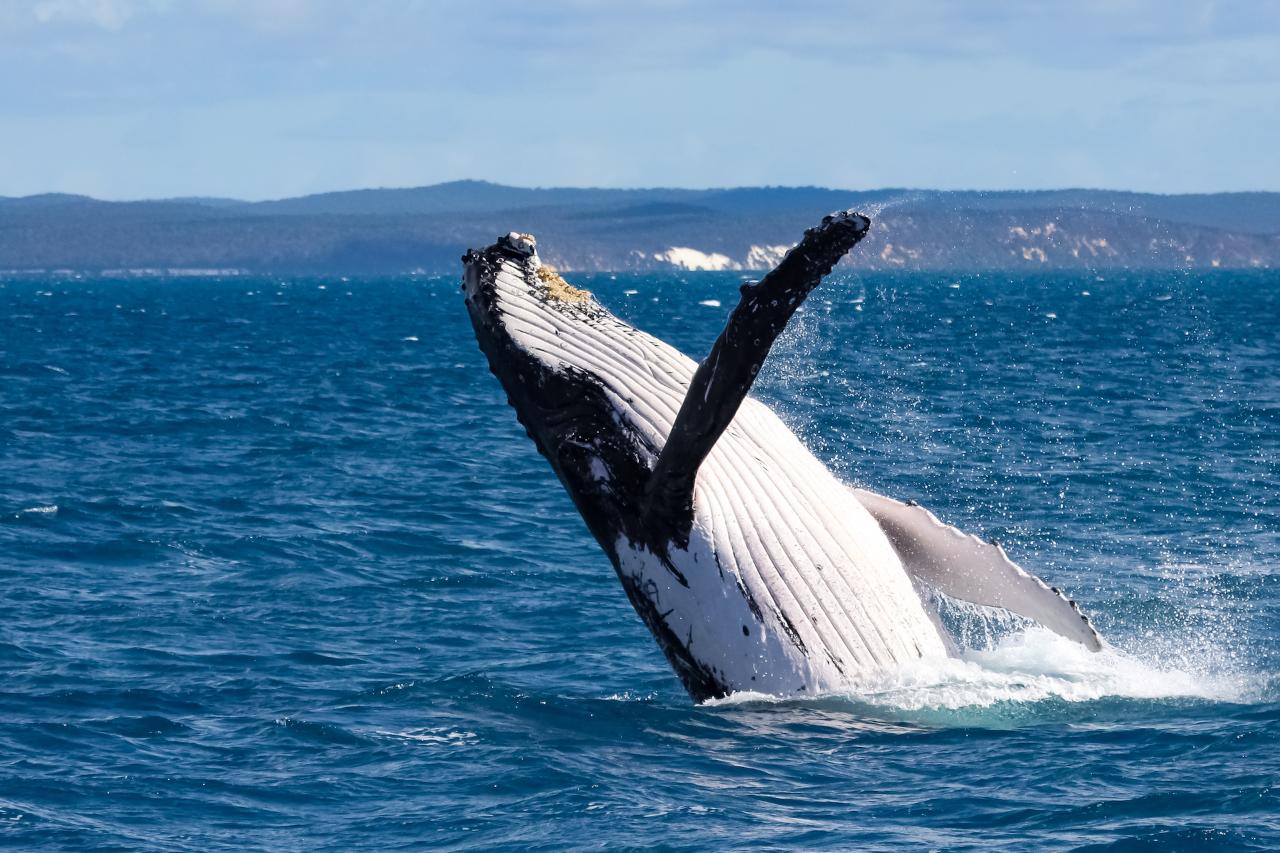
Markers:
378,231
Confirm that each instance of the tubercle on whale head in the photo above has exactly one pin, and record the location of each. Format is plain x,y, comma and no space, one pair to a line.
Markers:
480,265
543,281
559,289
524,245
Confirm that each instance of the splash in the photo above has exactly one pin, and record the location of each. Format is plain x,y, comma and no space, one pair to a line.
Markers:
1030,668
875,209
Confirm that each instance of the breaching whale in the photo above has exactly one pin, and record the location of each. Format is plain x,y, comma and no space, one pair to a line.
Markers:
754,567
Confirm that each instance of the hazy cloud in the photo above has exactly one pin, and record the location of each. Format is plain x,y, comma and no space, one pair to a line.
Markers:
274,97
106,14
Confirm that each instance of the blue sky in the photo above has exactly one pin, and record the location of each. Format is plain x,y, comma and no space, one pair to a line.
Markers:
272,98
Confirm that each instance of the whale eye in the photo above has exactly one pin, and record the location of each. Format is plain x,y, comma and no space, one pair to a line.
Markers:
745,632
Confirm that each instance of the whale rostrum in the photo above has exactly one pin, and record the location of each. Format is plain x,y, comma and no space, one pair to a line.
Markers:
754,567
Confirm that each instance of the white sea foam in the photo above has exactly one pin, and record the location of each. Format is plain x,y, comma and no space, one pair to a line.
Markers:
51,509
628,696
710,303
435,735
1034,666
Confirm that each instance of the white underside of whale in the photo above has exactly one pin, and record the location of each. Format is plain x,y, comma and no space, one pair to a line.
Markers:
797,583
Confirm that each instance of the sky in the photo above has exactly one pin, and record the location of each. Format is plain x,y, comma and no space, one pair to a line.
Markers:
274,98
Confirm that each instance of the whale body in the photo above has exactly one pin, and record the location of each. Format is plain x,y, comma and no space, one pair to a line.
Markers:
755,568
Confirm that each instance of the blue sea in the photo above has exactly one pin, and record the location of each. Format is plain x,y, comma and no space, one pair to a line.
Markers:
281,571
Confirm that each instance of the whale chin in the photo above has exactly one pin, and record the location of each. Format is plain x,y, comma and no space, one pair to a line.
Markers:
752,565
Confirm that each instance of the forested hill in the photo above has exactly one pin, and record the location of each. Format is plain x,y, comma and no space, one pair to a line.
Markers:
427,228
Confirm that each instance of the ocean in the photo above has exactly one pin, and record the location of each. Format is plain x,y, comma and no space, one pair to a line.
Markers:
281,571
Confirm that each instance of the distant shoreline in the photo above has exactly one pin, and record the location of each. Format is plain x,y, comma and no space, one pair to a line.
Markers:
426,229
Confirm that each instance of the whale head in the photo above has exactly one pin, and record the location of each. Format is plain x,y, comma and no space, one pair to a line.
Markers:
556,351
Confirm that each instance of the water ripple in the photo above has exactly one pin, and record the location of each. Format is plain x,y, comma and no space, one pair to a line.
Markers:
281,570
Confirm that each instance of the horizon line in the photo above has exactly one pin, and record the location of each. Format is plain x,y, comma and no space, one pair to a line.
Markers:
199,197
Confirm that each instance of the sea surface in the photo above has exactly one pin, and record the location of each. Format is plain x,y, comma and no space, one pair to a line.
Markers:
279,570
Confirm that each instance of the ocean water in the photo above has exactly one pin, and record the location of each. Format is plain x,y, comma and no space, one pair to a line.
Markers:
279,570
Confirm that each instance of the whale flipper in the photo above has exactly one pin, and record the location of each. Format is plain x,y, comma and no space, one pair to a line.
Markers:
962,566
724,377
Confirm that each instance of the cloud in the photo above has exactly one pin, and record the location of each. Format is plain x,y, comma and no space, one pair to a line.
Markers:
109,15
269,16
274,97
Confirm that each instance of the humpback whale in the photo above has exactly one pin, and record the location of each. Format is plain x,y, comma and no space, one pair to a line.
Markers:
754,567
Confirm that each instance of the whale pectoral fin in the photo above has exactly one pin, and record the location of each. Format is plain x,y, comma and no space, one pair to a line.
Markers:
723,379
962,566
